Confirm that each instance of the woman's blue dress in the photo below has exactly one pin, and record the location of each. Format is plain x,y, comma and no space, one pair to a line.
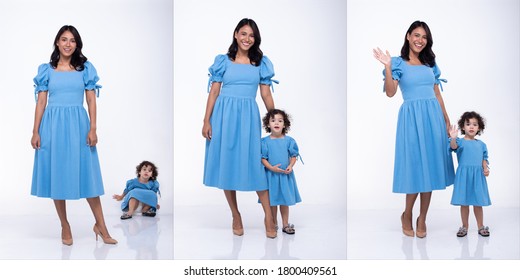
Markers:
283,189
145,193
233,159
422,162
470,187
65,167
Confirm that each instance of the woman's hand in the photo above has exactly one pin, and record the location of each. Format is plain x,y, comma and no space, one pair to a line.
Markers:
384,58
206,130
35,141
92,138
453,131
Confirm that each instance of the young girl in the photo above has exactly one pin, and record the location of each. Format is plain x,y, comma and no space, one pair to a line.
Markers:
143,189
279,154
470,187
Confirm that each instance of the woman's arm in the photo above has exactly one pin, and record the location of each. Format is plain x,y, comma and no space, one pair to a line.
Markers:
441,102
210,104
38,114
386,59
92,112
267,97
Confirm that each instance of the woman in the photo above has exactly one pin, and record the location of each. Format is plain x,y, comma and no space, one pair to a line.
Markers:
66,164
422,160
232,126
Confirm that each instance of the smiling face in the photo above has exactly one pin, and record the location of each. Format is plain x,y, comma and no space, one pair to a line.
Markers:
417,40
245,38
471,128
277,124
66,44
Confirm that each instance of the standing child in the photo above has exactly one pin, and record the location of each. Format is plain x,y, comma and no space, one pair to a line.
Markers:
470,187
279,154
143,189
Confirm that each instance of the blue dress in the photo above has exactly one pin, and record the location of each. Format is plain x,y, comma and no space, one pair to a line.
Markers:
470,187
145,193
422,162
282,187
233,159
65,167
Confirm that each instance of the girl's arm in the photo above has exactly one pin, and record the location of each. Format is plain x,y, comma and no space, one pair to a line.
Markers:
453,135
485,167
275,168
441,102
38,114
92,112
210,104
386,59
267,97
292,162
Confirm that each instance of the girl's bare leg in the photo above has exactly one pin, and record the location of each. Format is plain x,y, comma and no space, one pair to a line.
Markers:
479,215
284,210
464,215
132,206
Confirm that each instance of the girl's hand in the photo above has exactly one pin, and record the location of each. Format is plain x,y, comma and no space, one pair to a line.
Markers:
35,141
486,171
384,58
117,197
92,138
453,131
288,170
206,130
277,169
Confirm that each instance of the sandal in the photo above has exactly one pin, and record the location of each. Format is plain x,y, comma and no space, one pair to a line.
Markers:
289,229
125,216
149,213
462,232
484,231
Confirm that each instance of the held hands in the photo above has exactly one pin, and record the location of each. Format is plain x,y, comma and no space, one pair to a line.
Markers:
383,57
453,131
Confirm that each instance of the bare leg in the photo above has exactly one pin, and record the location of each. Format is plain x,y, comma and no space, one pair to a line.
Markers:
464,215
408,211
66,233
132,206
274,211
268,220
284,210
421,220
145,208
479,215
231,197
97,210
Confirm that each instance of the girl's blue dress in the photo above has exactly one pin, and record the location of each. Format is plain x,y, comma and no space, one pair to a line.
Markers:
233,159
65,167
145,193
470,187
422,162
282,187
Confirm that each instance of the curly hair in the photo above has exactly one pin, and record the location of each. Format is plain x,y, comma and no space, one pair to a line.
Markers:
471,115
270,114
78,59
155,173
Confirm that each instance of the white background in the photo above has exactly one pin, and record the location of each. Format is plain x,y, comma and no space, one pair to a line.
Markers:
130,44
306,42
477,48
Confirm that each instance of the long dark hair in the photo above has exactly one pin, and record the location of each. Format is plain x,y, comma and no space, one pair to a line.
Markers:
255,54
426,56
78,59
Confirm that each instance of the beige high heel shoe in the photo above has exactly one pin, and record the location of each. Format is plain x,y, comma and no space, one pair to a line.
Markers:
420,233
239,229
407,232
106,240
66,241
269,234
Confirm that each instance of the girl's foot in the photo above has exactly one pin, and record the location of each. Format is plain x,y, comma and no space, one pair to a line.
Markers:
289,229
463,231
238,228
483,231
407,227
